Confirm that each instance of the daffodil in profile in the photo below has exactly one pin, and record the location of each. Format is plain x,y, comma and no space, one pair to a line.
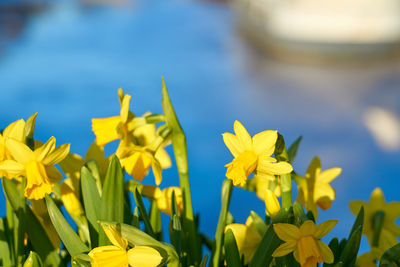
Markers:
163,197
116,255
304,242
247,238
36,166
272,205
252,155
314,189
388,212
18,131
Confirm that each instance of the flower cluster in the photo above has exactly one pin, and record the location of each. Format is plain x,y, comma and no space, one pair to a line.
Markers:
121,215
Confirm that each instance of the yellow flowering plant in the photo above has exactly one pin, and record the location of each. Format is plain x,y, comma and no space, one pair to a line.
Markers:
119,219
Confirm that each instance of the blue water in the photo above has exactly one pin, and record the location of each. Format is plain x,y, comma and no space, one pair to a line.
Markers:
68,61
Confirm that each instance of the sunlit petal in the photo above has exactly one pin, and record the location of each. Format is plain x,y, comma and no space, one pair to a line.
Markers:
233,144
264,142
242,135
324,228
286,232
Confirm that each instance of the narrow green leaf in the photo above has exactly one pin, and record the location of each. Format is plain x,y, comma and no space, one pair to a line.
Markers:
112,199
226,193
93,166
176,233
143,213
232,256
292,151
91,202
5,250
155,220
135,218
258,223
263,255
180,151
350,251
71,240
391,257
37,235
334,246
203,262
358,222
33,260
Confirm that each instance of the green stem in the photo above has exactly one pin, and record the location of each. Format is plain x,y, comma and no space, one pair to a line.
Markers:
281,154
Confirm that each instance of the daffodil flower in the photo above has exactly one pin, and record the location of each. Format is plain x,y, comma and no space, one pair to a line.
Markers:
391,211
163,197
252,155
260,184
247,238
18,131
304,242
314,189
272,206
116,255
35,165
70,198
369,259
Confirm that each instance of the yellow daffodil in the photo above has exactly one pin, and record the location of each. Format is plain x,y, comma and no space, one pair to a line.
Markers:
304,242
113,128
163,197
314,189
390,212
116,255
369,259
70,198
252,154
260,184
35,165
146,135
247,238
18,131
272,206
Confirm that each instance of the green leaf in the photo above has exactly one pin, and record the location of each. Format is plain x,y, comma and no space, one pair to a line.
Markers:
33,260
176,233
391,258
358,222
258,223
334,246
93,166
226,193
350,251
263,255
5,250
180,151
143,213
135,218
292,151
71,240
155,220
112,199
37,235
203,262
232,256
92,202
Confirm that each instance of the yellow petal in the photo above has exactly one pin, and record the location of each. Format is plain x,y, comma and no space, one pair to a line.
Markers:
329,175
324,228
356,205
308,228
233,144
125,108
71,202
393,228
314,167
12,167
163,157
15,130
143,256
271,203
164,202
38,191
266,166
53,174
115,236
326,252
323,190
19,151
286,232
96,152
57,155
284,249
377,200
392,210
109,256
157,171
242,135
72,165
366,260
106,129
30,125
44,150
264,142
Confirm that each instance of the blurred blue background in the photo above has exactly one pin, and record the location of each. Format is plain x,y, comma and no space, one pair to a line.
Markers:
67,60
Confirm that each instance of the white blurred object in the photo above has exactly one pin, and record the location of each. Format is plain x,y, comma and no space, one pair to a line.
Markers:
356,25
384,127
